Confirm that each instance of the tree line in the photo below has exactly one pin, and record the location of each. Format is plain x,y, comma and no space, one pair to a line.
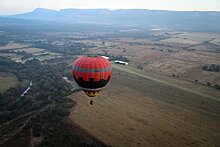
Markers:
211,67
48,97
49,90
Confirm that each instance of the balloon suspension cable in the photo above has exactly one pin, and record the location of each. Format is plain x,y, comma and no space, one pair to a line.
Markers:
91,102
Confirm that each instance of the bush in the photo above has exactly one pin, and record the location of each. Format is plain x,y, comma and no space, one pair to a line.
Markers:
208,83
217,86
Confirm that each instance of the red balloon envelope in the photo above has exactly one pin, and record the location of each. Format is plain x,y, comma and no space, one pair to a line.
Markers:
91,73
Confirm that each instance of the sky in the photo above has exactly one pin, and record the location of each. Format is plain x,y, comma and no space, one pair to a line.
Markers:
8,7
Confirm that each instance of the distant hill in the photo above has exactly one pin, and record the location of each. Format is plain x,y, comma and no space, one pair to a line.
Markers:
181,20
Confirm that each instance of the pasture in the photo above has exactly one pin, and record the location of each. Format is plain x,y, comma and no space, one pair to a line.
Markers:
182,54
190,38
12,45
216,41
136,111
31,50
6,81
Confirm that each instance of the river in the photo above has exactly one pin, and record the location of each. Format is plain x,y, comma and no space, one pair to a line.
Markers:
29,87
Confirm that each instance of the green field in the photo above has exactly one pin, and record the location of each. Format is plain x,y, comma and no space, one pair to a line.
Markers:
7,81
49,56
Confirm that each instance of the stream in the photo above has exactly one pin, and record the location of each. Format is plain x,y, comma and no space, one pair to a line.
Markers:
29,87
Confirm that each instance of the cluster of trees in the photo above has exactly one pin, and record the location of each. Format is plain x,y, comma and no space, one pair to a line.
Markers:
216,85
48,87
133,34
119,57
42,40
210,84
47,98
211,67
24,54
67,48
3,40
60,133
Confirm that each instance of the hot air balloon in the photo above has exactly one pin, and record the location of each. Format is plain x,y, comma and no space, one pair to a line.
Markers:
91,73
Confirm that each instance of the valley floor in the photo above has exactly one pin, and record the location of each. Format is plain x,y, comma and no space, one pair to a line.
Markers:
137,111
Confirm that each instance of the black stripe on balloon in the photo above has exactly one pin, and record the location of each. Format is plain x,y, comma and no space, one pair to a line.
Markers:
91,83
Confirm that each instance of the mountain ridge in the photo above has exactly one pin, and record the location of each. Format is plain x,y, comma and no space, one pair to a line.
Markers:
186,20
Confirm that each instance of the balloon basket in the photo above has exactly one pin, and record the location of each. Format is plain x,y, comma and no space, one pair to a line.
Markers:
91,102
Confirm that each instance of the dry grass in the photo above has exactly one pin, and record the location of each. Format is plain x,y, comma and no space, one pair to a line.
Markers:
170,58
216,41
203,90
31,50
12,46
134,111
181,40
187,65
6,81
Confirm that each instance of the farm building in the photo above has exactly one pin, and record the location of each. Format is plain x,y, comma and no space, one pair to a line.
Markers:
106,57
121,62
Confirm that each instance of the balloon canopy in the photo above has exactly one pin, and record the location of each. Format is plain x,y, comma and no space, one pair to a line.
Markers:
91,73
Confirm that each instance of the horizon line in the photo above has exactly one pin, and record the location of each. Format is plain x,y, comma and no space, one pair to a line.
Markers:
109,10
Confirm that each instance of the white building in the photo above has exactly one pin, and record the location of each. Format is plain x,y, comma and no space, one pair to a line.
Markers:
121,62
106,57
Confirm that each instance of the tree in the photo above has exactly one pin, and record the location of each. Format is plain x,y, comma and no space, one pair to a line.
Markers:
217,86
208,83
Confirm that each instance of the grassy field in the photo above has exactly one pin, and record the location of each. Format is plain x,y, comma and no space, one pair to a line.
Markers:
182,54
12,46
216,41
49,56
187,86
137,111
190,38
7,81
181,40
31,50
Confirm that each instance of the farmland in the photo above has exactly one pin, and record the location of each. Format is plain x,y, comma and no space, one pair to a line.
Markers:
31,50
21,53
12,45
167,53
155,99
135,111
7,81
163,97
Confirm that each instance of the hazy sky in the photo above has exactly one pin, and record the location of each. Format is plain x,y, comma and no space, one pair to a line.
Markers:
20,6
